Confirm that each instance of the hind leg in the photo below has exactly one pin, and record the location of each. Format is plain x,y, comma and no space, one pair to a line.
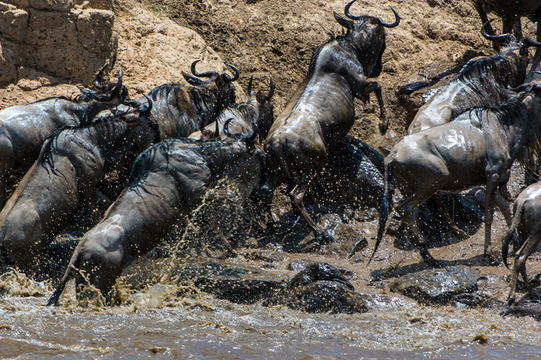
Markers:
520,265
409,211
297,196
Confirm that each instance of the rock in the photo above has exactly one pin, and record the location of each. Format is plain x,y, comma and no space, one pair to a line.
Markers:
320,287
321,296
437,286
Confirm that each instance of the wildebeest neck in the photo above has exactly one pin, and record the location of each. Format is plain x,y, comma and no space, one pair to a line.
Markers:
507,69
87,111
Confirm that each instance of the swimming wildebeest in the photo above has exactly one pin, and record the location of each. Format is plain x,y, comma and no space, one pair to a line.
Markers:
180,110
24,128
66,175
167,181
255,114
486,81
477,148
525,233
322,110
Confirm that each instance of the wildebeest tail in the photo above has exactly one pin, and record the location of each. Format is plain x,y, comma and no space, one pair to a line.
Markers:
385,208
53,300
512,235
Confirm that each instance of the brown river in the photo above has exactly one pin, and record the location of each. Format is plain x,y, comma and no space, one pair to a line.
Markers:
159,323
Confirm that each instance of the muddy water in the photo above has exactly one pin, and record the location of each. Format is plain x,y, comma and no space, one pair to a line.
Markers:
157,323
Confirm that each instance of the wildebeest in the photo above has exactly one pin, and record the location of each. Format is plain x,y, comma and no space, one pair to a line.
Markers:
255,114
24,128
486,81
511,12
525,233
70,166
477,148
167,181
180,110
322,110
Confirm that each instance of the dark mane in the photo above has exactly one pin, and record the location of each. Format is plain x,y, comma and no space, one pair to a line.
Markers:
473,74
167,88
46,155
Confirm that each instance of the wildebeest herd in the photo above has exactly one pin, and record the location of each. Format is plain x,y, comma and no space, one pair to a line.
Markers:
168,147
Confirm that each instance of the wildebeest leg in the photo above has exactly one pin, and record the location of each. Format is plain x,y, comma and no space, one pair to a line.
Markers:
537,56
297,196
458,232
409,212
484,19
520,265
373,86
503,205
489,213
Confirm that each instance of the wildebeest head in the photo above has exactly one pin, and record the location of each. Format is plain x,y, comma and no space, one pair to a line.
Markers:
266,109
114,92
221,85
366,35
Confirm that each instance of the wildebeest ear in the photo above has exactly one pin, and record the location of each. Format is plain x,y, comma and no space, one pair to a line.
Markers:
348,24
192,80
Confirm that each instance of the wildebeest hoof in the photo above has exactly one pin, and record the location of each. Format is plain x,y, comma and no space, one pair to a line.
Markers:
383,125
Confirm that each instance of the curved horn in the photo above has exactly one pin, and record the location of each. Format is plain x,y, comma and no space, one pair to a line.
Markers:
99,78
396,22
528,41
119,82
205,74
226,128
145,108
249,90
235,70
271,91
503,37
348,14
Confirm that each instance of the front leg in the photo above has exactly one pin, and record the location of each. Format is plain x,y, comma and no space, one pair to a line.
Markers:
373,86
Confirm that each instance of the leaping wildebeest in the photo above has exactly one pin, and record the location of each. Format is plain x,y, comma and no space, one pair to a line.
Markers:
477,148
322,110
254,115
71,165
24,128
168,180
525,233
180,110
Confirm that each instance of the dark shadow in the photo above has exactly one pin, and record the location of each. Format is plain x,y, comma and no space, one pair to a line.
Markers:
397,271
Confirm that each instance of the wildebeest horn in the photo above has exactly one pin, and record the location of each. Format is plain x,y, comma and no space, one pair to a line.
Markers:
396,22
348,14
503,37
235,70
271,91
145,108
99,78
192,80
205,74
249,90
528,41
226,128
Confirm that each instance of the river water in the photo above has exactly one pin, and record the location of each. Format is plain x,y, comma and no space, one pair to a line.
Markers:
160,324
